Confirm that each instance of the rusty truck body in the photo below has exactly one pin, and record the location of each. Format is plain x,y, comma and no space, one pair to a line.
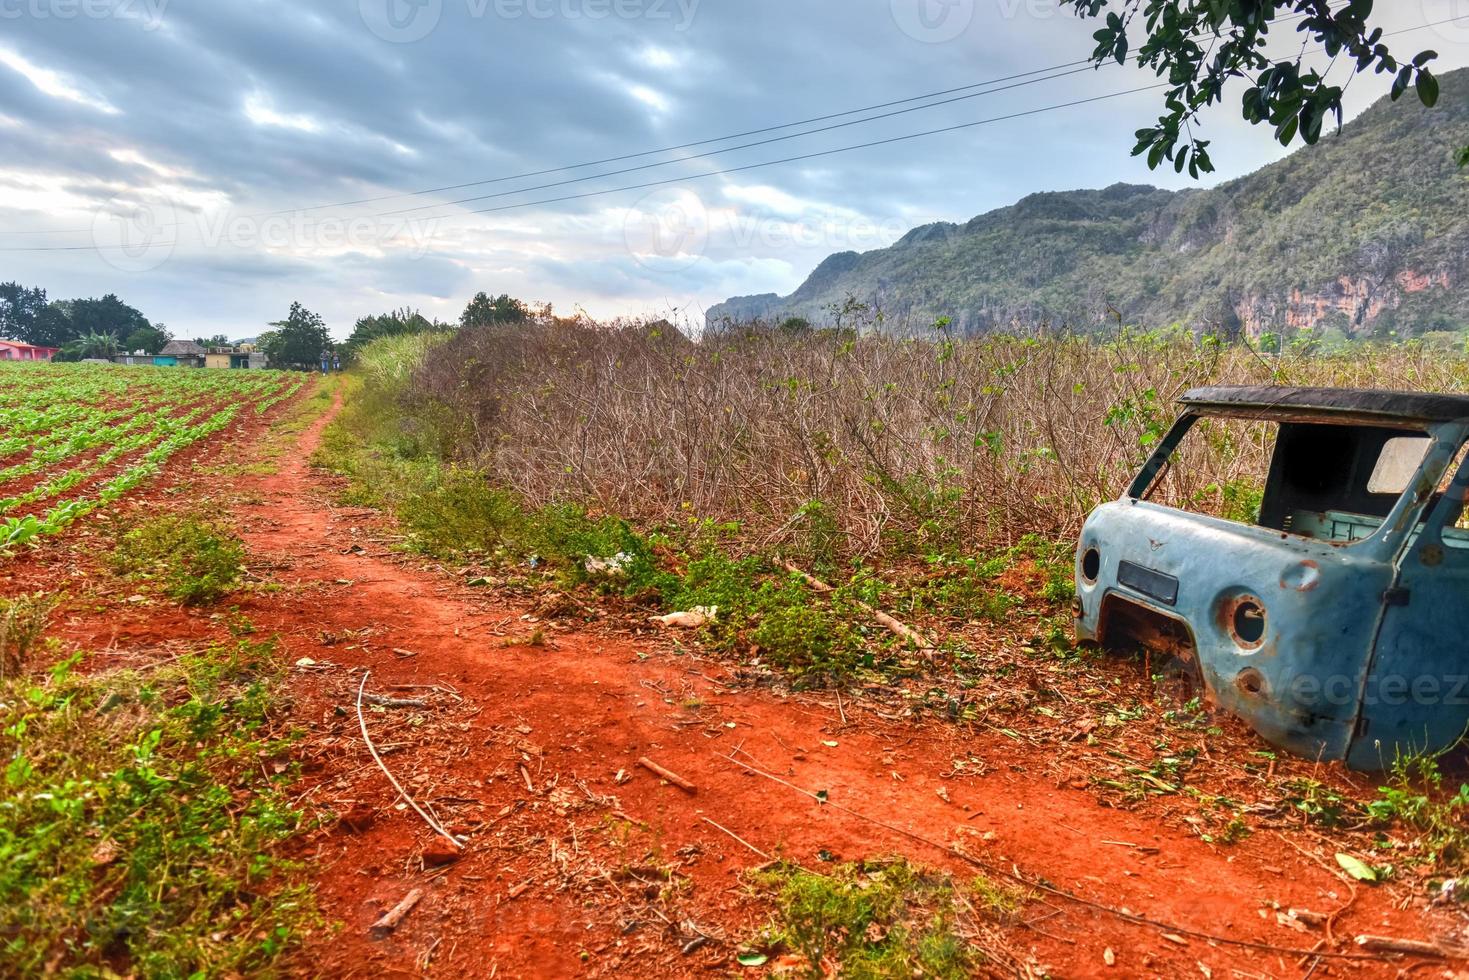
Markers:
1336,621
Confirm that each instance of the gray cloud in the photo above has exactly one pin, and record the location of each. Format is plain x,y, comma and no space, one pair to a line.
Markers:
237,108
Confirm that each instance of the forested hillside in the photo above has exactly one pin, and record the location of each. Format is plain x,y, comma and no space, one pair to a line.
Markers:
1362,235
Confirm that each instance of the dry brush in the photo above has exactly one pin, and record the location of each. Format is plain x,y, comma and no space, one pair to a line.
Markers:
857,444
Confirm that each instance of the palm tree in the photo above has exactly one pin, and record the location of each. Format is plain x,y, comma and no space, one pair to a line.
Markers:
98,345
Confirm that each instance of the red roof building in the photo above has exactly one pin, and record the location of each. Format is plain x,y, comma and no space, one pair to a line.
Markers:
14,350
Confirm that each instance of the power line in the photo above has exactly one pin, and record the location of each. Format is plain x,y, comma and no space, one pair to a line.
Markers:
824,153
1053,72
820,153
713,173
729,149
1058,73
729,170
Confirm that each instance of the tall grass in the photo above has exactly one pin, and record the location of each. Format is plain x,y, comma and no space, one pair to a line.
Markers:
866,445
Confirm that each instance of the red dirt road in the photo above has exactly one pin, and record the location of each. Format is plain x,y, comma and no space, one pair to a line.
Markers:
580,863
588,707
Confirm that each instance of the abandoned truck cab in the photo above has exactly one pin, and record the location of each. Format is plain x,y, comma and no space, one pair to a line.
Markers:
1331,613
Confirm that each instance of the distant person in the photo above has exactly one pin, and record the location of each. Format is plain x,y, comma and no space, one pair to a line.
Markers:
326,361
336,362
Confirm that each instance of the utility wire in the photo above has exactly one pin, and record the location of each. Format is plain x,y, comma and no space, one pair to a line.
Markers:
688,177
1054,71
741,169
727,149
662,163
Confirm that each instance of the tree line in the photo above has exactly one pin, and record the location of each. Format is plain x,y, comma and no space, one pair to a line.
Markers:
100,328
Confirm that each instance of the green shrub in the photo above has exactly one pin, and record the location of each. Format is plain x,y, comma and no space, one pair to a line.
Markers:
880,919
194,561
140,824
803,635
577,542
455,511
1414,798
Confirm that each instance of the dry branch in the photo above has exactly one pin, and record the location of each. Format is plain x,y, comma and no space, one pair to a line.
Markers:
390,920
387,702
737,838
1410,947
668,775
888,622
362,722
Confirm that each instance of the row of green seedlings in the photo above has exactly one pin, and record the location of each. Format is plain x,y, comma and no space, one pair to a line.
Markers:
58,423
94,433
144,812
290,392
52,391
23,530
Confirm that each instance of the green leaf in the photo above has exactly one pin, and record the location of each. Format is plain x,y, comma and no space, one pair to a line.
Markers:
821,796
1463,156
752,958
1356,868
1427,89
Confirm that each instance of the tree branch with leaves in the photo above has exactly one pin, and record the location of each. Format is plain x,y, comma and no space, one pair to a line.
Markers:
1199,46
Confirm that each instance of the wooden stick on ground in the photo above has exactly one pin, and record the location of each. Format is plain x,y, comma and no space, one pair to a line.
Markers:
668,775
1412,947
891,624
386,702
737,838
396,914
362,723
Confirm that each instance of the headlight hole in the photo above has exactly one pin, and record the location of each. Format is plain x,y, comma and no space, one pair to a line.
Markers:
1249,622
1091,565
1251,681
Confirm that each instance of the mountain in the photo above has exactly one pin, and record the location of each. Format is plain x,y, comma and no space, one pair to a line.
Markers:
1365,233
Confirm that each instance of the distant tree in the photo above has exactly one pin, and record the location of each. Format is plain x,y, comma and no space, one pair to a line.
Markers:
25,315
297,341
100,345
395,324
108,315
483,311
218,340
19,308
149,340
1199,47
795,325
53,326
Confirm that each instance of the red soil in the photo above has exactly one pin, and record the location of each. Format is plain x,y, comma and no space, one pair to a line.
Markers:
537,766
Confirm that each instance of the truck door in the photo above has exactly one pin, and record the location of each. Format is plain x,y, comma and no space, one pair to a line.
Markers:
1416,695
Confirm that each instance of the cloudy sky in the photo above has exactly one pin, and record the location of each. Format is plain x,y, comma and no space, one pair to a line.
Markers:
213,160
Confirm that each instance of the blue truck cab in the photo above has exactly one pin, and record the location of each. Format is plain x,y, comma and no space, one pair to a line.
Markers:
1336,622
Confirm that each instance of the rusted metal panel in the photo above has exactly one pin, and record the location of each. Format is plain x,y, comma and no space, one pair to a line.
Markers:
1339,632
